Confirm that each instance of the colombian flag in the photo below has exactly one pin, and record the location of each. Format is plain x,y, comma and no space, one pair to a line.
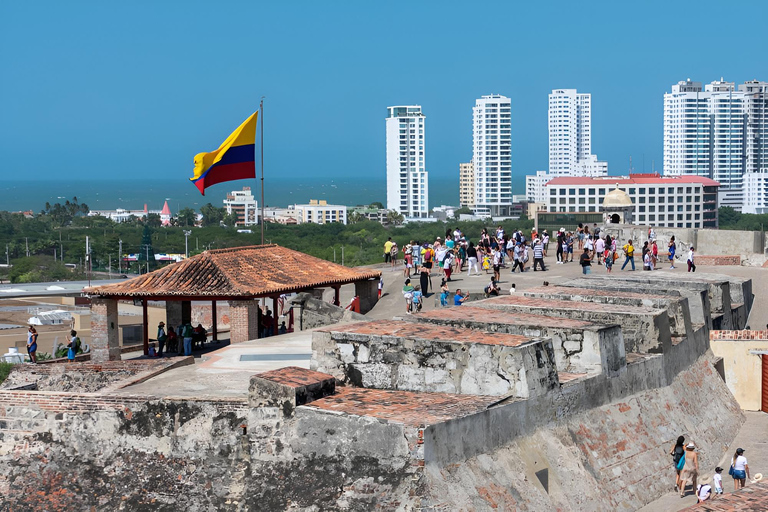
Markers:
234,160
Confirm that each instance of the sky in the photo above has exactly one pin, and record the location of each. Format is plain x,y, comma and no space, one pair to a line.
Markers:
101,90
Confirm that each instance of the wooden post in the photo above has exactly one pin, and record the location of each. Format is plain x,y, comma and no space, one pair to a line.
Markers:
336,301
145,322
274,316
214,323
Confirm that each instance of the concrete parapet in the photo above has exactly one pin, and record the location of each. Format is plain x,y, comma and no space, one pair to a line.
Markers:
644,329
580,346
288,388
389,354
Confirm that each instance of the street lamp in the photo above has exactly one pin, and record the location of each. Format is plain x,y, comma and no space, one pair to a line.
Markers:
186,243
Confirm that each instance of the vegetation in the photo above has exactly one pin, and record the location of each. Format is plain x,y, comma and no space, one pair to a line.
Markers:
5,369
728,218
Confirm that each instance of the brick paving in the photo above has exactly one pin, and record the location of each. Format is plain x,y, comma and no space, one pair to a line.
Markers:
295,377
498,316
407,407
424,331
752,498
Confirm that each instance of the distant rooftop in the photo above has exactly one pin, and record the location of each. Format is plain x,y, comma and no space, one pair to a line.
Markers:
635,178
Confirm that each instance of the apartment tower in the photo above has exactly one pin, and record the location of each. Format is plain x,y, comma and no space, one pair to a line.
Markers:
407,180
491,159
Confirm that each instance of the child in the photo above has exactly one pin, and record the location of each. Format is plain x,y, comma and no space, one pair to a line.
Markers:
444,292
408,295
608,260
73,345
718,480
381,285
417,296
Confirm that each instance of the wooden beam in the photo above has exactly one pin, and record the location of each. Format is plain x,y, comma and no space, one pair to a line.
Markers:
145,324
215,325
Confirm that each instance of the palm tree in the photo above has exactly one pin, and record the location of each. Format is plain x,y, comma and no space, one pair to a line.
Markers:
395,218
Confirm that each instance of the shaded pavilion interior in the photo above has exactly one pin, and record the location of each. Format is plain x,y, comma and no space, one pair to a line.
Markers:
241,276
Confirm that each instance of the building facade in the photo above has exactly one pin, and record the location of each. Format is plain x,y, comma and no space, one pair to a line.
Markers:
668,201
320,212
467,185
492,155
534,186
242,204
407,178
570,135
717,131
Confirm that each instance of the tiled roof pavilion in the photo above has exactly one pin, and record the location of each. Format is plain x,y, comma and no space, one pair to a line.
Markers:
238,275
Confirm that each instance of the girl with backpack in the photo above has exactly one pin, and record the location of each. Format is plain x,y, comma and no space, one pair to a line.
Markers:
677,453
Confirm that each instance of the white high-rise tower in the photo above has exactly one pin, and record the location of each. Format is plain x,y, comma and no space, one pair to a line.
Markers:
407,183
570,135
492,155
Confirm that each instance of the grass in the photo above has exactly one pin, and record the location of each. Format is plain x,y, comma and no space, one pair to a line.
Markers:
5,369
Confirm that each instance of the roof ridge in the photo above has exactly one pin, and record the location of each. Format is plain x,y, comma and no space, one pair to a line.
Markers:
240,248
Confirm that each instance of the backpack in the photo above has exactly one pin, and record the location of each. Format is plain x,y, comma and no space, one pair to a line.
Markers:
681,462
428,255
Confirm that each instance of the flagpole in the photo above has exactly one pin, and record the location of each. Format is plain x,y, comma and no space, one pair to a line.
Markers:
261,115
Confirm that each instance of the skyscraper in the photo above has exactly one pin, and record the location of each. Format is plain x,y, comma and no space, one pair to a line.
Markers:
407,180
467,185
718,132
570,135
491,159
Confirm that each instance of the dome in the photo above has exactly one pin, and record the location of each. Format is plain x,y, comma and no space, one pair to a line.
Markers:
616,199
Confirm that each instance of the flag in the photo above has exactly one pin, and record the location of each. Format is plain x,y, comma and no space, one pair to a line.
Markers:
234,160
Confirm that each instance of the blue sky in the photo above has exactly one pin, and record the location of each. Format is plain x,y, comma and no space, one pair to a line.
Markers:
95,90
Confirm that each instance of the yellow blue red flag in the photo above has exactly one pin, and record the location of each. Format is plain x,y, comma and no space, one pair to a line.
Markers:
234,160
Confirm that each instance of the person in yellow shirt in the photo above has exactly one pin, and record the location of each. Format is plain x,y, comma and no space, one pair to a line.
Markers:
629,252
387,249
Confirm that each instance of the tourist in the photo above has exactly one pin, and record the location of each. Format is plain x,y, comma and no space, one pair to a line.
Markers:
497,263
610,256
408,295
585,261
560,246
161,338
538,255
569,243
672,248
599,249
283,329
654,255
704,490
717,479
387,249
440,252
380,286
545,241
485,239
444,293
32,344
690,472
172,342
524,254
472,260
393,255
647,260
416,256
462,256
418,298
580,235
460,299
691,264
448,264
456,235
73,345
492,288
408,260
629,252
186,334
740,469
200,335
677,452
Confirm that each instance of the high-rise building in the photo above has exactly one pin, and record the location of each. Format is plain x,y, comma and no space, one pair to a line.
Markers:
718,132
407,179
570,135
242,204
492,155
467,185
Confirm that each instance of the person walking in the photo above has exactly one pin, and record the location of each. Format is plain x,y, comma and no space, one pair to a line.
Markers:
393,255
545,241
672,248
497,263
585,261
560,246
629,252
387,249
32,344
472,260
690,472
677,452
740,469
518,257
691,263
408,296
161,337
538,255
599,249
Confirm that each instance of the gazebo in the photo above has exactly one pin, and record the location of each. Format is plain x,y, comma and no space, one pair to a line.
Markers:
238,275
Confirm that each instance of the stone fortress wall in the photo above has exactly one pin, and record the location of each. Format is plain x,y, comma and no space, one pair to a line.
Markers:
561,398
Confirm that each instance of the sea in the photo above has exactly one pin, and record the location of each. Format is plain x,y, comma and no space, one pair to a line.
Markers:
180,193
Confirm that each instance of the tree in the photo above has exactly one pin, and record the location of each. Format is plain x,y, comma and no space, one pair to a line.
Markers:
464,210
377,205
38,269
153,220
212,216
147,253
186,217
395,218
728,217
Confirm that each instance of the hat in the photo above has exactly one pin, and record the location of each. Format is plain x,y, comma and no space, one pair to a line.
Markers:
757,478
691,445
161,323
718,469
438,238
739,450
706,480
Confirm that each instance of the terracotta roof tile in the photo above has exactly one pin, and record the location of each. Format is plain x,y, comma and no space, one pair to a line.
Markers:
237,272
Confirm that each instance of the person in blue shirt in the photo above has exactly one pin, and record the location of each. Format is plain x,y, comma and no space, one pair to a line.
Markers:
459,299
417,297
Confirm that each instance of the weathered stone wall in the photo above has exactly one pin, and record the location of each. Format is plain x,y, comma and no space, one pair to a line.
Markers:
319,313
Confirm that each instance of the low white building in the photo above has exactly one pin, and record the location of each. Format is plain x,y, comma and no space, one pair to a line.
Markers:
123,215
280,215
755,193
244,205
685,201
320,212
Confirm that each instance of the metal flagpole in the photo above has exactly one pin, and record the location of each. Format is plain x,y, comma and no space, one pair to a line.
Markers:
261,115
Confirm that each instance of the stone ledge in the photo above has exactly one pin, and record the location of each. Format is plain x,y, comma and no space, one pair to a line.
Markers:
289,387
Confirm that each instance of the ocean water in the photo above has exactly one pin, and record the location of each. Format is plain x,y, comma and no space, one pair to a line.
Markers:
133,194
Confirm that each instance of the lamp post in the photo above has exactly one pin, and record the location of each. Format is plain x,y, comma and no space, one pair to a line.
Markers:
120,258
186,243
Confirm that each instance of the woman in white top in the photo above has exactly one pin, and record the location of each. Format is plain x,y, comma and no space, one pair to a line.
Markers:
691,264
740,469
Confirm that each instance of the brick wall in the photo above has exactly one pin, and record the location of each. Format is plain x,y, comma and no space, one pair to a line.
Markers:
738,335
243,320
105,340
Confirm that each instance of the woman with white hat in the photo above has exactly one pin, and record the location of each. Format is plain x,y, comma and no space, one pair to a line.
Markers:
690,472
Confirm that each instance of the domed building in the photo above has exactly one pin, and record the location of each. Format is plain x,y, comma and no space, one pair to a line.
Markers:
617,207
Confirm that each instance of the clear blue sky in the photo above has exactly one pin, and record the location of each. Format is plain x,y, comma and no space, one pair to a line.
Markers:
98,89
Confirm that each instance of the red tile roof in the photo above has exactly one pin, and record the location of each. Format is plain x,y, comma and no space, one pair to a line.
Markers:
244,272
639,179
752,498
